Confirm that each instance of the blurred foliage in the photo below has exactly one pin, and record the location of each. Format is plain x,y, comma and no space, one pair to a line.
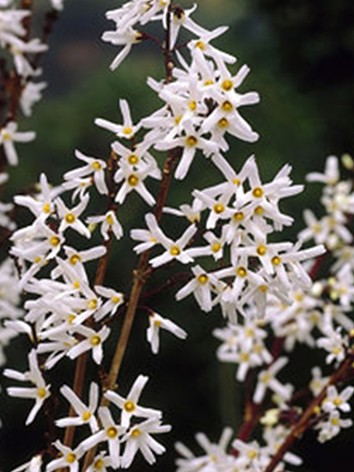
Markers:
301,57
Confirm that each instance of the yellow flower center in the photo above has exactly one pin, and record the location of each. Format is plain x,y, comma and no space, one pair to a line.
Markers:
203,279
258,192
175,251
218,208
92,304
258,211
261,250
337,401
95,340
239,216
46,208
223,123
191,141
133,159
200,45
99,464
215,247
70,458
227,106
74,259
86,415
70,218
276,260
54,241
192,105
96,165
115,299
109,219
133,180
244,357
6,136
227,85
127,130
76,284
136,433
41,392
111,432
129,406
71,318
241,271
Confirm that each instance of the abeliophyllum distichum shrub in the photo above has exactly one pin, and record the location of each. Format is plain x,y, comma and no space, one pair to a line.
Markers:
263,289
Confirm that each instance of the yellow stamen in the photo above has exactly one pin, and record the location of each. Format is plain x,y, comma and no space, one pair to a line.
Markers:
95,340
86,415
219,208
41,392
261,250
46,208
203,279
241,271
175,251
239,216
258,192
70,458
74,259
96,165
133,180
191,141
111,432
215,247
276,260
227,106
129,406
70,218
133,159
54,241
227,85
223,123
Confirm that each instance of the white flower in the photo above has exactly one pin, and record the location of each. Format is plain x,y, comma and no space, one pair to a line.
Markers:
129,405
86,414
201,286
335,400
126,37
110,433
9,135
109,224
69,458
267,380
331,174
70,218
94,341
31,94
95,167
127,130
332,426
174,249
139,438
39,393
335,344
114,301
157,322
